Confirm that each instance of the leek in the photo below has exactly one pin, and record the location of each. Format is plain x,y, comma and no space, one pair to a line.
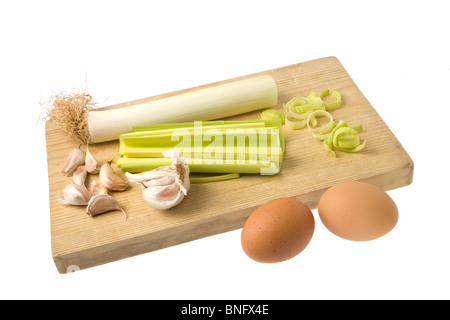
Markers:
329,106
342,137
272,114
248,146
205,104
135,165
221,177
299,109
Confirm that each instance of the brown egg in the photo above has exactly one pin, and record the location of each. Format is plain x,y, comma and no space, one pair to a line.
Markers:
277,230
357,211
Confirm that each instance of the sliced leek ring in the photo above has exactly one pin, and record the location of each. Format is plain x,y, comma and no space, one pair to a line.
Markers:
315,103
343,138
298,110
296,101
272,114
294,123
313,115
330,106
303,112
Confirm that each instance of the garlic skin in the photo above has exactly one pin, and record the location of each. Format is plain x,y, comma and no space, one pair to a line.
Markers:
101,203
75,194
111,180
75,159
164,187
91,164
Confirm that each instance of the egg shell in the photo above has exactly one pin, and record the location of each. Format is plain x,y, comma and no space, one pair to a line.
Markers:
358,211
277,230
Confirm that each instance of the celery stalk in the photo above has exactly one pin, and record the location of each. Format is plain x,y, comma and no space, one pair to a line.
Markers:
195,165
249,146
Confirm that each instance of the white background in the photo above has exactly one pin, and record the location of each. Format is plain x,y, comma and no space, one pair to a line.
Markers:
397,52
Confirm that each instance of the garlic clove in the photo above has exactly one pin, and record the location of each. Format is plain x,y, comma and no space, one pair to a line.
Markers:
157,177
148,175
91,164
75,194
111,180
163,197
74,160
164,187
163,181
98,188
79,176
101,203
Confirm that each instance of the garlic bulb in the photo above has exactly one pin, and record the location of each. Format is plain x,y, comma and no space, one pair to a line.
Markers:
164,187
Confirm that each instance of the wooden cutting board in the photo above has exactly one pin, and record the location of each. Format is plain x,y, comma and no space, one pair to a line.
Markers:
80,241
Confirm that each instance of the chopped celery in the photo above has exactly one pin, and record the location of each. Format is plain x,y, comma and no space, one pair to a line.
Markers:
250,146
272,114
201,165
214,178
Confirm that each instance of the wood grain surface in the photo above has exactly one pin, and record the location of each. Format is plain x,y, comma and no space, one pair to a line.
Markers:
81,241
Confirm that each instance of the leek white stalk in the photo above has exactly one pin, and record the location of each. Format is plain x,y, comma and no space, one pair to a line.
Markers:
205,104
